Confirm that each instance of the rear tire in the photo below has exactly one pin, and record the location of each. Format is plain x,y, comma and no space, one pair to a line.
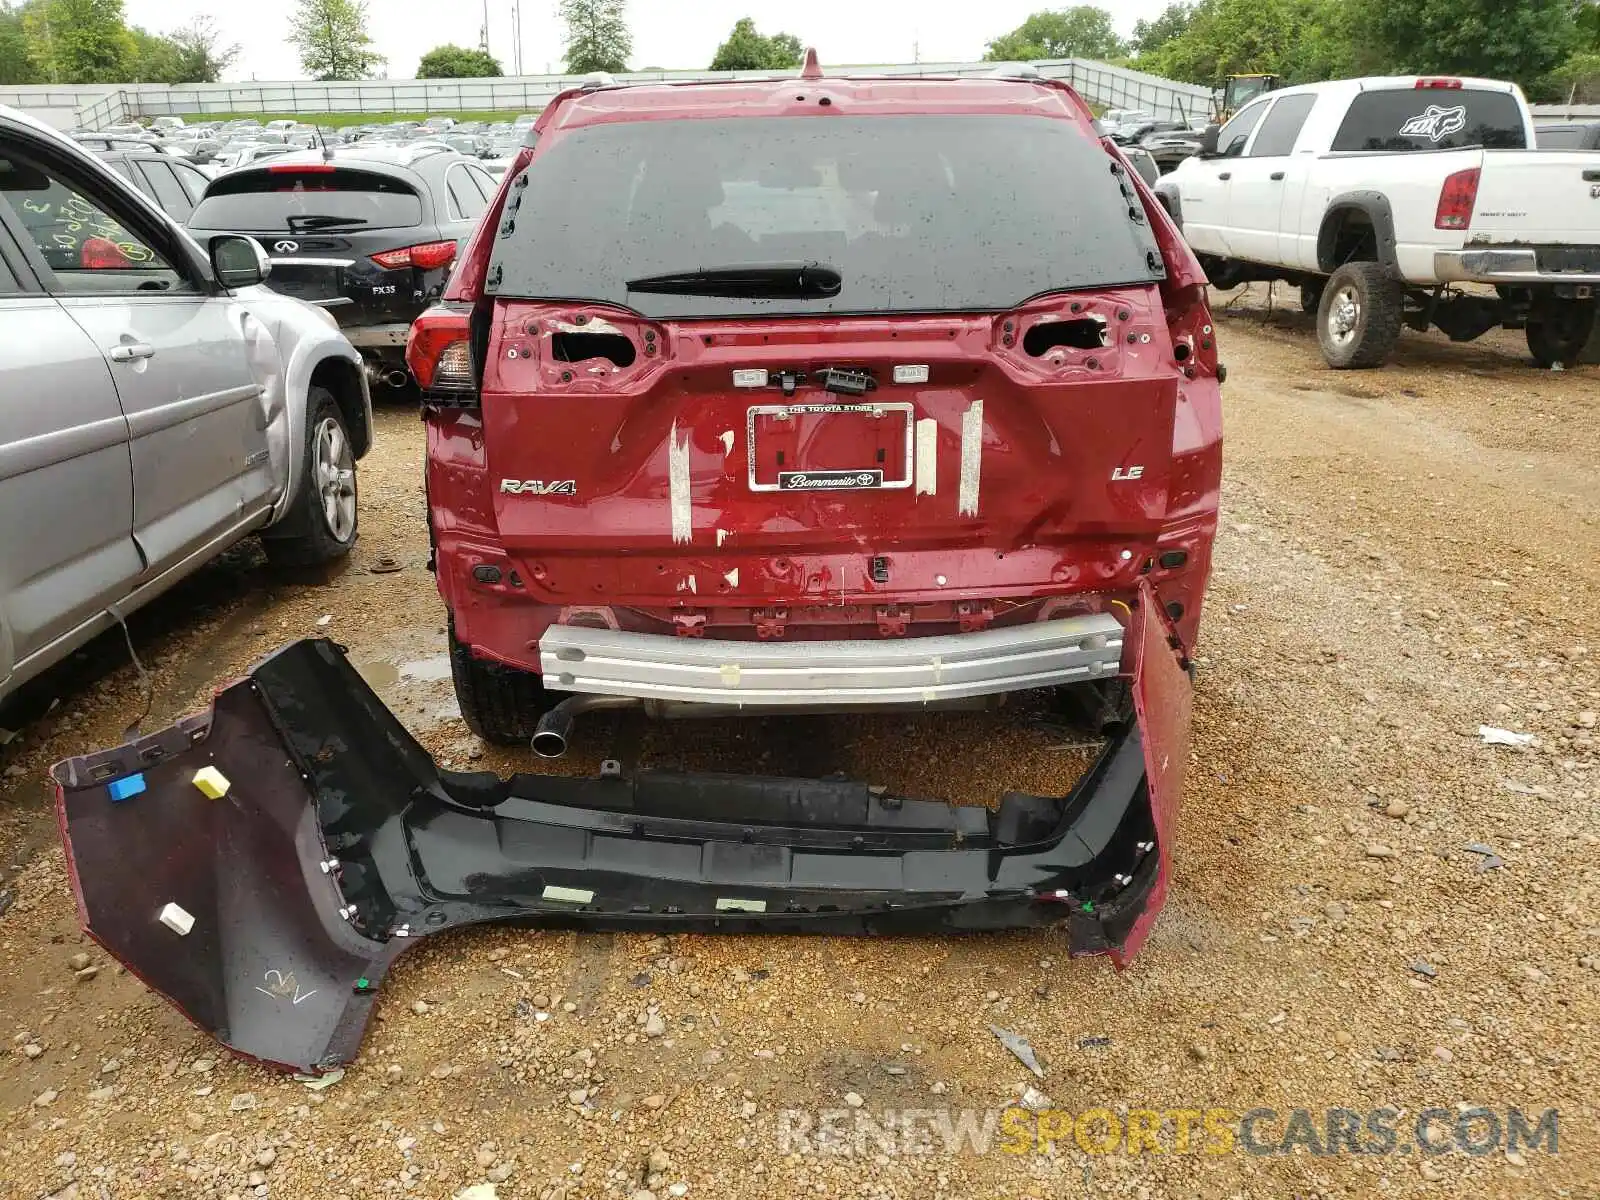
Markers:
323,522
499,703
1359,316
1563,332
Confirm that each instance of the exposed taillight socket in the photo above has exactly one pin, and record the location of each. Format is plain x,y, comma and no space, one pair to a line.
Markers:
1171,560
486,573
439,353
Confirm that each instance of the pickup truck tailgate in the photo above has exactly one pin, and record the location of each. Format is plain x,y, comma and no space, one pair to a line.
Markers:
1538,197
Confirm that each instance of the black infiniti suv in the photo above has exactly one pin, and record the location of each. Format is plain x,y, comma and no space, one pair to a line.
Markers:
367,231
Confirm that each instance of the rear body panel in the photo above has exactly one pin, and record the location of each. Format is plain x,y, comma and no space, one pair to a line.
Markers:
339,843
337,272
1538,197
678,502
994,441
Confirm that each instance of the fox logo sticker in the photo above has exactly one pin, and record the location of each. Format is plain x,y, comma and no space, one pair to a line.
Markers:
1436,123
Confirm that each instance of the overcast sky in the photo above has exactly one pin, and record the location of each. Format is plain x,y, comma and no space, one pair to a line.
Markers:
666,33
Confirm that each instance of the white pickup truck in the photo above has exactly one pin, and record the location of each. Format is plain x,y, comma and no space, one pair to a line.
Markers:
1378,196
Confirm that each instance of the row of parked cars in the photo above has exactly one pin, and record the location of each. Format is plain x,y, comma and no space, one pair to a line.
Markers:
217,146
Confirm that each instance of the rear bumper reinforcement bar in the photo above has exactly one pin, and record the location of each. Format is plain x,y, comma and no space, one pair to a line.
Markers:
918,670
270,915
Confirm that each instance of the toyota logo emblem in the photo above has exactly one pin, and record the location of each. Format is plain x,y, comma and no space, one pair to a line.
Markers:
286,247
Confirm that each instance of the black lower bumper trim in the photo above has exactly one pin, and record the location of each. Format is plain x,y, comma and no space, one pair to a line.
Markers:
339,842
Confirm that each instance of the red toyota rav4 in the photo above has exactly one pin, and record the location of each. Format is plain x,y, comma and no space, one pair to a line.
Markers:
814,393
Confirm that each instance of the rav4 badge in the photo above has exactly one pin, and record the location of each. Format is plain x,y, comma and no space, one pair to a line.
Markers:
539,487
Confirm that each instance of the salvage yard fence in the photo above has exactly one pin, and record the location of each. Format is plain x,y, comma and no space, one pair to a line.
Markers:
96,107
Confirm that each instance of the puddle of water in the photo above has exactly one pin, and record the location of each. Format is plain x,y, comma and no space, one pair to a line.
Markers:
428,669
379,675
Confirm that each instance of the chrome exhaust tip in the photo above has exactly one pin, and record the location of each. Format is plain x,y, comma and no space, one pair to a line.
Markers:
550,735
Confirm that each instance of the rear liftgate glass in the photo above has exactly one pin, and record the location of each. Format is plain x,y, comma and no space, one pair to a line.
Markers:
262,865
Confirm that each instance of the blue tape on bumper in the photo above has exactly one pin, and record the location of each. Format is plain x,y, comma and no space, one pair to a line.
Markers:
125,789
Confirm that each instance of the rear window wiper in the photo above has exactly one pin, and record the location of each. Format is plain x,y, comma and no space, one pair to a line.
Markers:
299,221
779,280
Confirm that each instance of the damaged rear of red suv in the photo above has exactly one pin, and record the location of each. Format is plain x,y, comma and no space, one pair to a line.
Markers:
804,395
814,393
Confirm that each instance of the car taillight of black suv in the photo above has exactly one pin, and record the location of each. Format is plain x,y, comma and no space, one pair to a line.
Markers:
370,234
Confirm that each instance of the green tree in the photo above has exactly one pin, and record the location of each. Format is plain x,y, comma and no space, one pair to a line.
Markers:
1577,79
155,58
1299,40
80,41
1586,16
748,50
190,55
1150,36
1084,31
1520,40
17,62
454,62
201,59
333,41
598,38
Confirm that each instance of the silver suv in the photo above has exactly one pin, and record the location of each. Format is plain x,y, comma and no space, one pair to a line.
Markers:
156,406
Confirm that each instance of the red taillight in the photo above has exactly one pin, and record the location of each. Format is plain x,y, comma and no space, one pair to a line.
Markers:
433,254
1456,200
102,254
439,353
1437,83
425,257
301,169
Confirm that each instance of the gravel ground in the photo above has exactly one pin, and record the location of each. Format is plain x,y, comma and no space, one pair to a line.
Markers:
1406,554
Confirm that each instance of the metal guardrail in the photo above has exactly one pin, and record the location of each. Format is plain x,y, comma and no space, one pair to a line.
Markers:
1566,112
1099,83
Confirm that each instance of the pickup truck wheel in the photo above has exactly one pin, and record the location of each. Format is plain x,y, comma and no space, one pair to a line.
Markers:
500,704
1311,294
1562,333
323,522
1359,316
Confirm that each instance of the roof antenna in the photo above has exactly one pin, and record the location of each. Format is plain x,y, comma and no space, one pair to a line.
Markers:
812,68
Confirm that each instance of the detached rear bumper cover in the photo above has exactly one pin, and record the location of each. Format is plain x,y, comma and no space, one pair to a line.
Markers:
286,951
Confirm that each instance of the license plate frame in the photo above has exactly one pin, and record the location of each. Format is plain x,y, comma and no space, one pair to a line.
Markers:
872,477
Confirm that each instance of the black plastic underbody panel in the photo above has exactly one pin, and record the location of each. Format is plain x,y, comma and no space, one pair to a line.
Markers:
287,951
